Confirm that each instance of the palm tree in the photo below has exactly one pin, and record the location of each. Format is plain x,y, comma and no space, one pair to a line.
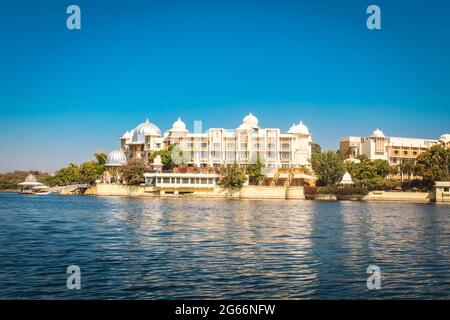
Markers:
407,167
101,157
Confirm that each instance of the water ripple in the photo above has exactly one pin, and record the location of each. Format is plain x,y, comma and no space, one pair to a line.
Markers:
197,249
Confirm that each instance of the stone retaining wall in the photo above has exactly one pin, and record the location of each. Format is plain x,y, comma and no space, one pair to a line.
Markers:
260,192
247,192
413,197
107,189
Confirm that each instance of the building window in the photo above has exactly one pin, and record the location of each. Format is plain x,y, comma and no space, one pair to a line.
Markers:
243,145
284,155
216,145
285,145
243,155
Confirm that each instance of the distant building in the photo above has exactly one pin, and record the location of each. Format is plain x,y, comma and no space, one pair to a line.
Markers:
392,149
222,147
442,191
114,162
32,186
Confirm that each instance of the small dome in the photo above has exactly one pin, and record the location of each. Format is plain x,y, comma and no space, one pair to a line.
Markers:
157,161
127,135
116,158
352,160
145,129
30,178
245,126
178,126
347,179
445,138
299,129
250,120
377,133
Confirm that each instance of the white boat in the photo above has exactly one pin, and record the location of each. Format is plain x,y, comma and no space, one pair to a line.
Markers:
31,186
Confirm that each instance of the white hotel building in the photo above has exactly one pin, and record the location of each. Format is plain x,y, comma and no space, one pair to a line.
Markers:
392,149
219,146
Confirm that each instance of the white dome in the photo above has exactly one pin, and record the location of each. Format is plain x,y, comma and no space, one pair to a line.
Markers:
377,133
127,135
178,126
299,129
116,158
445,138
30,178
245,126
157,161
250,120
346,179
145,129
352,160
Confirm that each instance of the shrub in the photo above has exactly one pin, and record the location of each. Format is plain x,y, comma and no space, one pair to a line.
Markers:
352,191
310,191
424,185
232,178
327,190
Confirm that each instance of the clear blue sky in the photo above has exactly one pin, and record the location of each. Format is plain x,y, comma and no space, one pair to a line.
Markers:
66,94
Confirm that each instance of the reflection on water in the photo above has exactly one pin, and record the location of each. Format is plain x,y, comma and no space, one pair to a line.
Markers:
197,248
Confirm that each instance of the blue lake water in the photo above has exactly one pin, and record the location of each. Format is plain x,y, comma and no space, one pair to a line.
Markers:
197,249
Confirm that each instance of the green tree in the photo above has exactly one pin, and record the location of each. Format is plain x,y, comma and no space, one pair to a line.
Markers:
434,164
254,171
101,158
10,180
133,172
232,177
90,171
382,168
68,175
171,157
363,171
407,167
362,158
315,148
328,166
7,184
